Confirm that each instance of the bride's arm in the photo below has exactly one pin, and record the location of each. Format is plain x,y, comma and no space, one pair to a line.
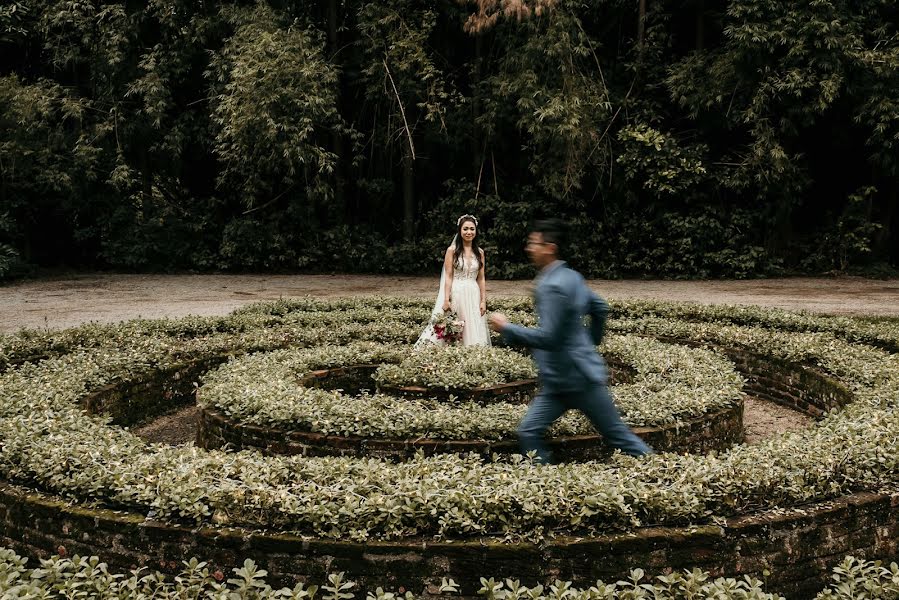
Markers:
482,283
448,283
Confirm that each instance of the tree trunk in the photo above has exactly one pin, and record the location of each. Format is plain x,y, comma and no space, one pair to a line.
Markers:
700,24
146,178
332,24
408,196
4,184
476,152
641,25
886,239
893,225
27,249
782,230
340,208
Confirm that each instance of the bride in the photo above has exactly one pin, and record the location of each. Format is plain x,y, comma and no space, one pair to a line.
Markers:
463,287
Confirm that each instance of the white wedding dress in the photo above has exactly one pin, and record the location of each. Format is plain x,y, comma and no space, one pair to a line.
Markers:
466,302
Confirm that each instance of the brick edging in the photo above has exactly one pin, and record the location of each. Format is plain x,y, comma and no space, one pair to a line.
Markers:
714,431
798,546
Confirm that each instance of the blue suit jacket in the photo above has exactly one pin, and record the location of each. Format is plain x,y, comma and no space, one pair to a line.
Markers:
564,348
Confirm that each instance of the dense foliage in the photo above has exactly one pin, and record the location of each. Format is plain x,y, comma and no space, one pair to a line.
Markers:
712,138
81,576
457,367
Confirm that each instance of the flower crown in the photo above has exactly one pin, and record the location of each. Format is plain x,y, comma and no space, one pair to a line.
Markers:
472,217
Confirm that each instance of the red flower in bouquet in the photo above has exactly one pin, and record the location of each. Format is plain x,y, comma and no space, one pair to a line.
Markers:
448,327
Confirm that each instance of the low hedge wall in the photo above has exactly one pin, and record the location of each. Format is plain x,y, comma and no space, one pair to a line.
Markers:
715,431
793,549
670,385
84,458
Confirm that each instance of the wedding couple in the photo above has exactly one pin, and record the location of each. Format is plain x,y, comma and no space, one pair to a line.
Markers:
572,373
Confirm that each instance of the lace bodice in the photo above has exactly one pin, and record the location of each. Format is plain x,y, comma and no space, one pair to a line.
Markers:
466,270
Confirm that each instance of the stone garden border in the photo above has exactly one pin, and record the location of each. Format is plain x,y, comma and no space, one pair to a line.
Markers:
130,402
338,377
797,547
515,392
715,431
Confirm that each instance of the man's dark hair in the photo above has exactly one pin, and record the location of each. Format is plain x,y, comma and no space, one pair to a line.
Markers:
554,231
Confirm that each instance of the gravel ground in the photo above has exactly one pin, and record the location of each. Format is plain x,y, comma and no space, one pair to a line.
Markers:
67,301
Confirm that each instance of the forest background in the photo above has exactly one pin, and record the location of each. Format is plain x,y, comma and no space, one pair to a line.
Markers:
681,138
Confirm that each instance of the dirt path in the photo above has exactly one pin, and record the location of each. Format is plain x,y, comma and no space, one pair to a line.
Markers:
68,301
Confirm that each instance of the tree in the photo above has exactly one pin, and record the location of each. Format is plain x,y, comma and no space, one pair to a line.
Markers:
402,80
783,70
45,158
275,104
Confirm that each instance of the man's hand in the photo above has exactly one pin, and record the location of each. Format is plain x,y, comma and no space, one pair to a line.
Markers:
498,321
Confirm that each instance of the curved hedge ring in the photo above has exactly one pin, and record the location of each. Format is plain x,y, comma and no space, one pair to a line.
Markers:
259,401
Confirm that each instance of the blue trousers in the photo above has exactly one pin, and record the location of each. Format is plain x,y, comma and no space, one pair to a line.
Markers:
594,401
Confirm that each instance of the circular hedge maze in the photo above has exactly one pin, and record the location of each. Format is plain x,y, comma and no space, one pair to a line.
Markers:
318,401
327,445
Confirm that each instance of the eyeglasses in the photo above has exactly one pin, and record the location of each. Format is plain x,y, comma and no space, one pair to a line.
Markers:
533,243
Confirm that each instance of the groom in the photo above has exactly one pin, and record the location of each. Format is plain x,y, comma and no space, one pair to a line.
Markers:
572,373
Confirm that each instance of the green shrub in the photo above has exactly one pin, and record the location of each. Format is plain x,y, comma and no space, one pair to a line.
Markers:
80,576
672,383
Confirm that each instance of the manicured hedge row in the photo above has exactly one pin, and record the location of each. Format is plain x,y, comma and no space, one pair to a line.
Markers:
715,431
671,384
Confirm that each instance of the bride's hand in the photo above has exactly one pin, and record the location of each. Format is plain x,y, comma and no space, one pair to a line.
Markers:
483,308
446,305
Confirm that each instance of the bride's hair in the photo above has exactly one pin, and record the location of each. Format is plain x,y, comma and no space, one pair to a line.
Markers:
459,248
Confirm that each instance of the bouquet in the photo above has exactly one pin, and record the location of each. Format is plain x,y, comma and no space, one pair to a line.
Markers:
448,327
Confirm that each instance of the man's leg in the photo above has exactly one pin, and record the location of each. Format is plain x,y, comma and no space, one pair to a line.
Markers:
543,410
596,402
